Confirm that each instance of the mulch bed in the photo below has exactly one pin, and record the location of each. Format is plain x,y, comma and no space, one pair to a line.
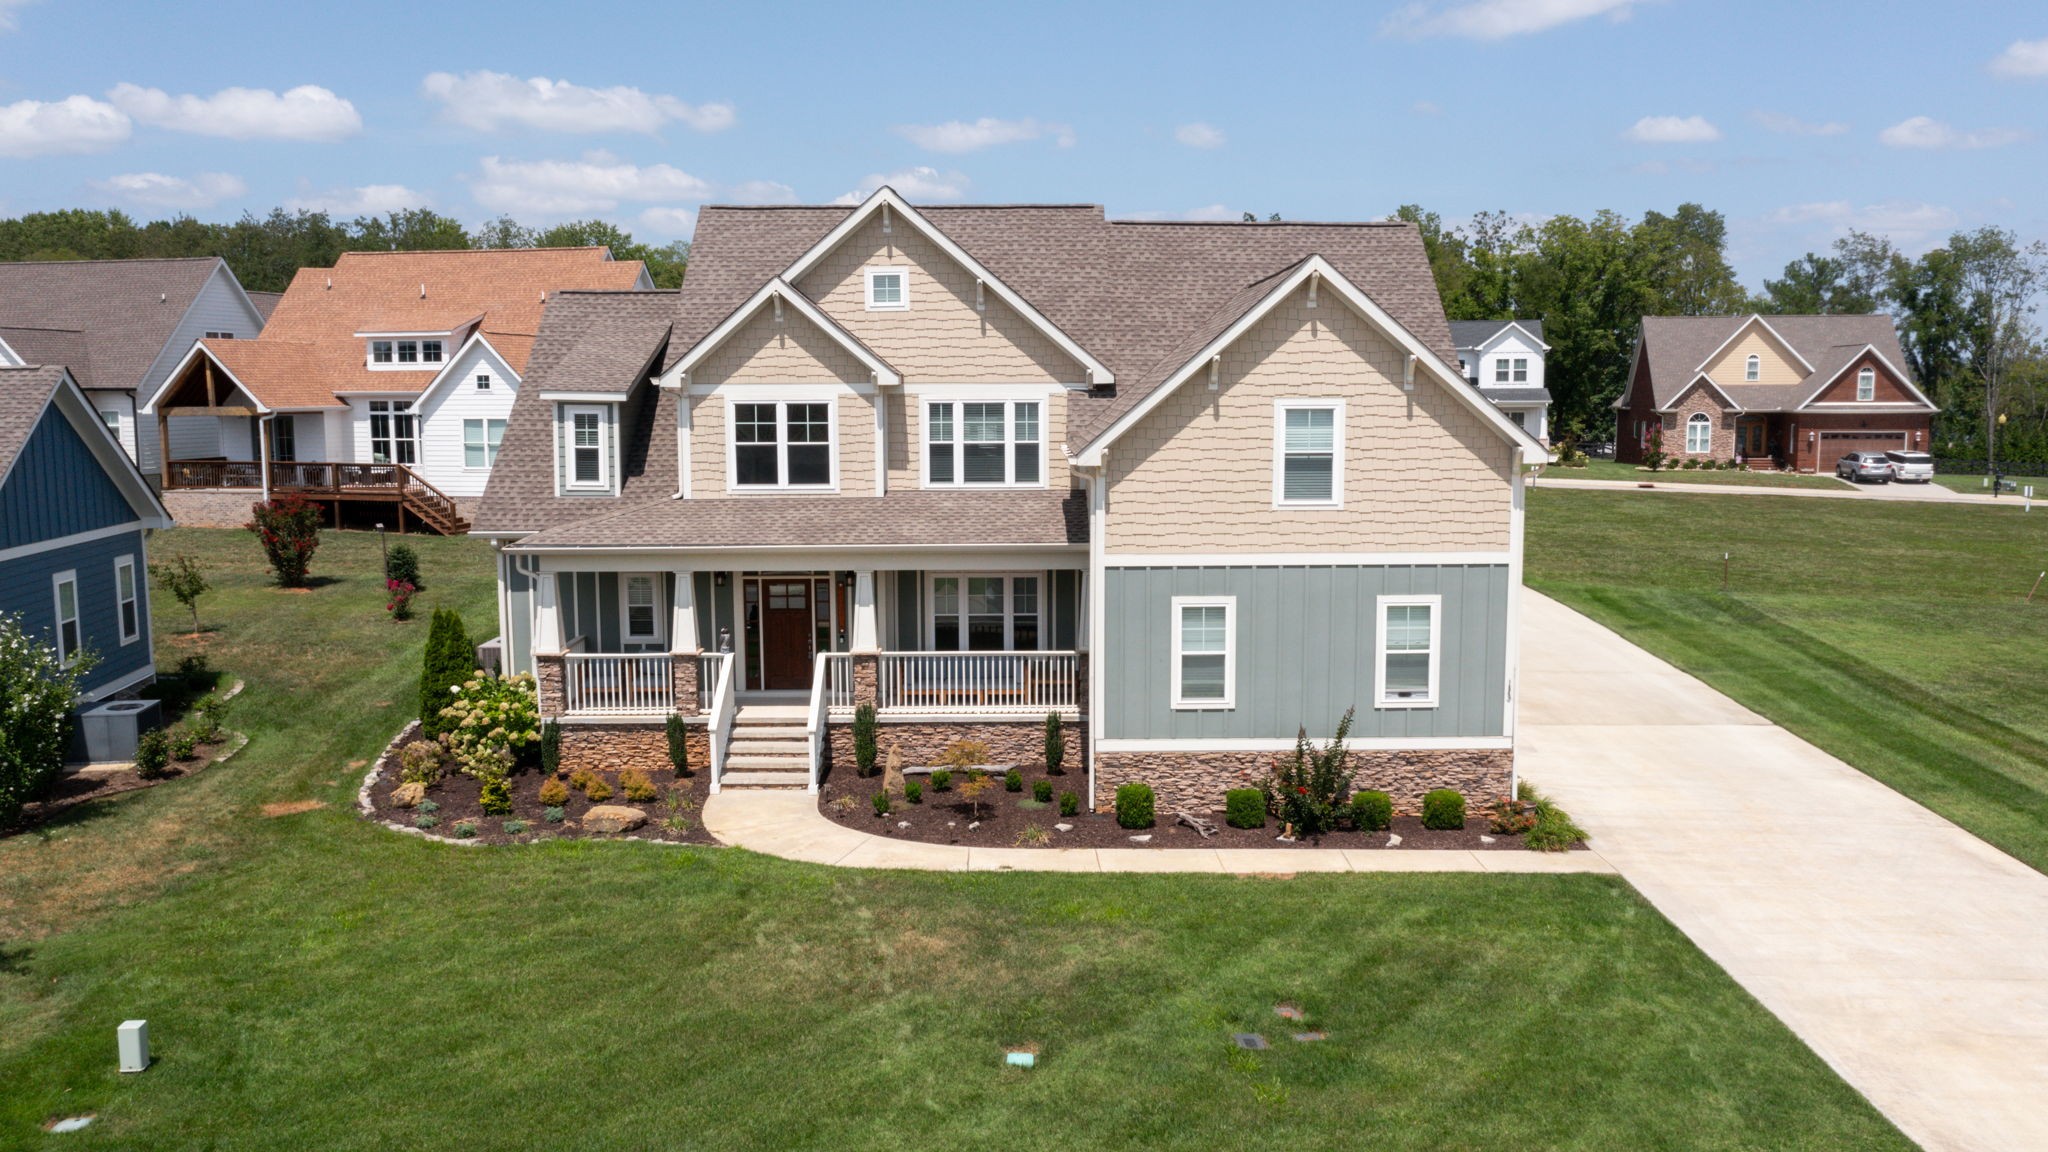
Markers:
457,796
945,818
75,788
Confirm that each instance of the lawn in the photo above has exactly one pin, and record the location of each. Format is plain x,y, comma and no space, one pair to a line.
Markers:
1979,484
1612,470
1894,634
313,981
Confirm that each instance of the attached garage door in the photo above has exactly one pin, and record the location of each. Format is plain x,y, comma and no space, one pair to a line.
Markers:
1835,445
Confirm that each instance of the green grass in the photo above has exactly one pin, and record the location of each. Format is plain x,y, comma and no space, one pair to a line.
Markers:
1981,485
314,981
1630,473
1893,634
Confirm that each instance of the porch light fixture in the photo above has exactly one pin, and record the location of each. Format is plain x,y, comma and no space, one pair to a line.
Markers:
717,578
846,580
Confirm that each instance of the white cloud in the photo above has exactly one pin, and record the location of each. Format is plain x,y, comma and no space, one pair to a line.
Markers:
1908,222
1926,132
73,124
599,182
491,101
8,20
1786,125
2023,58
156,190
307,112
1498,19
366,200
1199,135
920,183
669,221
1672,130
957,136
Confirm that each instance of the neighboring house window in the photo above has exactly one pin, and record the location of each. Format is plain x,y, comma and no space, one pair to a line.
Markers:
1699,433
483,381
112,418
888,289
985,613
1753,368
380,351
480,440
589,457
782,445
284,438
430,351
394,437
643,615
408,351
1520,418
65,591
128,606
1521,374
1204,652
1411,628
1511,370
220,336
1308,453
984,442
1866,384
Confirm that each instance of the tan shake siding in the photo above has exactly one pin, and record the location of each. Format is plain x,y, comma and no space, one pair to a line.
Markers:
1422,472
941,337
794,351
1775,367
906,436
707,445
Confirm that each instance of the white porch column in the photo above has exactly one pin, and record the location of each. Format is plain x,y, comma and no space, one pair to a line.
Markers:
683,621
263,454
866,636
547,616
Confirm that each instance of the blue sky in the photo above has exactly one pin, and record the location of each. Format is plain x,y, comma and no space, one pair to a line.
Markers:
1796,120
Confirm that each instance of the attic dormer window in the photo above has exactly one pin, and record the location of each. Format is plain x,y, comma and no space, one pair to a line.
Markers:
430,351
380,351
888,289
1753,368
1866,384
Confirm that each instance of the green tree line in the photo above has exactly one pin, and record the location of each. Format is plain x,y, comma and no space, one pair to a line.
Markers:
265,251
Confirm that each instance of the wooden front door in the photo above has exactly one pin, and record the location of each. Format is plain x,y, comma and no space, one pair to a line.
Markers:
1753,435
787,634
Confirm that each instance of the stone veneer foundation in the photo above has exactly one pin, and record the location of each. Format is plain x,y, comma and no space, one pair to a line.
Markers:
613,748
920,742
1198,780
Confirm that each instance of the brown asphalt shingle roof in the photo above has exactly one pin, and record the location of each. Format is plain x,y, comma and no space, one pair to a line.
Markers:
24,393
1677,345
265,302
906,518
122,312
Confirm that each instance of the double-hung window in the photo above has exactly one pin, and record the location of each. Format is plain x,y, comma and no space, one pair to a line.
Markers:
1204,652
64,591
284,437
127,602
1511,370
480,438
1308,451
1866,384
642,607
985,613
888,289
394,437
783,444
1753,368
1411,632
984,442
586,441
380,351
430,351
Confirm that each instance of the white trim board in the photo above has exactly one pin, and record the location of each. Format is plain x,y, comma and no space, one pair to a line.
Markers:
1306,559
778,288
1755,318
141,675
1812,398
1286,744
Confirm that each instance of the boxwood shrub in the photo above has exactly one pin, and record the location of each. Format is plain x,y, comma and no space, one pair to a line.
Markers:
1443,810
1134,806
1372,811
1244,808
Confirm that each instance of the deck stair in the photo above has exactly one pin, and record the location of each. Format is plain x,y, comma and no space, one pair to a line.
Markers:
769,748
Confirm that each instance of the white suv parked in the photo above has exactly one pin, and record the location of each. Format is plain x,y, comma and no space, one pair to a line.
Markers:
1911,467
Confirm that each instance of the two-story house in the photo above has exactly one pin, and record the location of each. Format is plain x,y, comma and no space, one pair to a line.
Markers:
382,383
1192,486
1791,392
1504,360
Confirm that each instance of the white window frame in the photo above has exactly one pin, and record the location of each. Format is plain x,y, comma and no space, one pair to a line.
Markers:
394,411
1521,370
1753,368
781,404
57,582
1700,419
396,345
603,482
657,637
1009,579
483,381
1435,604
490,449
902,274
111,417
1280,410
959,441
125,565
1866,385
1229,700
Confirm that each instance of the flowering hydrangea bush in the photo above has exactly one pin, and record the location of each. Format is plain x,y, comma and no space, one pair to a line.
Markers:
489,721
36,691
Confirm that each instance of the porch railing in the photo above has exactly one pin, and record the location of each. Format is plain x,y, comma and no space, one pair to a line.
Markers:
815,730
609,684
1029,683
708,664
724,705
837,687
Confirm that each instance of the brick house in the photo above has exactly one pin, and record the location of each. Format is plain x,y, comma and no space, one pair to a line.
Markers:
1788,392
1191,486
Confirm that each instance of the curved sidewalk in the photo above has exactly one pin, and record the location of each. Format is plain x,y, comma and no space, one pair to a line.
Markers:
788,824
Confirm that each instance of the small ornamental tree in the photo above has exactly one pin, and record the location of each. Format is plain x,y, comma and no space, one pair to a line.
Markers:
289,527
865,746
1055,745
678,744
402,564
1653,453
181,577
1306,786
36,691
450,661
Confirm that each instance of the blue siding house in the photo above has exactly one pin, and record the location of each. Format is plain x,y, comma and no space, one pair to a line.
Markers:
74,522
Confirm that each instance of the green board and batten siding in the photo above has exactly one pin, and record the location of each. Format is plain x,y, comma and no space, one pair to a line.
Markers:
1306,651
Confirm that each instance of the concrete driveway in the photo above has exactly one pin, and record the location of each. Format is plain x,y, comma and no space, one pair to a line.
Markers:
1910,955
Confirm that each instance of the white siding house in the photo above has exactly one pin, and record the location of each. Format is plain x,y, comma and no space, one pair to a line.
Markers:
1505,359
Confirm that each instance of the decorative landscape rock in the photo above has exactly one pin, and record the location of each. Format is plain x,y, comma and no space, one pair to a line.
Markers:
408,795
613,818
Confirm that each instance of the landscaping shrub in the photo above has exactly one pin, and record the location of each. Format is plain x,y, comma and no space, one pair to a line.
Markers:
184,743
865,746
1070,803
1443,810
495,797
553,793
400,602
289,527
208,717
1133,806
942,781
516,827
1013,781
36,692
678,744
637,787
974,788
183,579
1055,745
964,754
580,779
1244,808
1041,791
555,814
426,820
465,829
881,803
489,721
1653,452
449,662
1508,817
419,762
597,789
1033,837
429,806
402,565
1305,786
1372,811
551,747
152,755
913,791
1554,830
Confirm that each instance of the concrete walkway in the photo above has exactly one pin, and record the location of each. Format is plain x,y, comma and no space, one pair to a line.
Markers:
1910,955
1650,482
789,825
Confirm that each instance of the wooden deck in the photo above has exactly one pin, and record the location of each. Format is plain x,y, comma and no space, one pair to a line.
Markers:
325,481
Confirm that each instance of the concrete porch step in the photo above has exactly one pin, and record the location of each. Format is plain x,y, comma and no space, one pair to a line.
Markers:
772,763
747,746
772,714
770,732
733,779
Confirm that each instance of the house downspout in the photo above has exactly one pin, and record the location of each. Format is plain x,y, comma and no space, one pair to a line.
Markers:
1098,516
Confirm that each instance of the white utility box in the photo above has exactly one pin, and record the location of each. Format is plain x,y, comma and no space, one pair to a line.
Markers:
134,1037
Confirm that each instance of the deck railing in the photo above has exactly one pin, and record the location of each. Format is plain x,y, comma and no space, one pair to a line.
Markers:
1028,683
608,684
